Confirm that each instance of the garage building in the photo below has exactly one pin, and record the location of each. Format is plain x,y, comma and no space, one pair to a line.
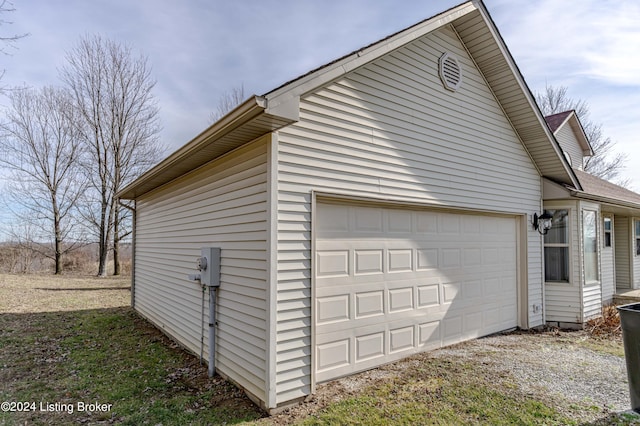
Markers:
373,208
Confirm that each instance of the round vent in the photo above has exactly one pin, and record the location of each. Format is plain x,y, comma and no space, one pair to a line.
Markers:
450,72
568,157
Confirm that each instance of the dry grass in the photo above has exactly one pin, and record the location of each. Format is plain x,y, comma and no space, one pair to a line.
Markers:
49,293
606,326
72,339
85,344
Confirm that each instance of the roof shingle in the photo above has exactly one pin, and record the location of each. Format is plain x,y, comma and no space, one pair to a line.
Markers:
554,121
603,189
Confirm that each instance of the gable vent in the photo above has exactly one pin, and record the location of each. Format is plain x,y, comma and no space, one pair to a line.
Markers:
450,72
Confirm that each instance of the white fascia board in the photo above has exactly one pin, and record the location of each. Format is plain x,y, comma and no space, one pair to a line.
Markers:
576,126
243,113
525,90
605,200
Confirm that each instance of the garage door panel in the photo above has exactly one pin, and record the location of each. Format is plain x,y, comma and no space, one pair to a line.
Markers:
402,339
332,263
331,309
428,295
400,299
390,282
333,355
400,260
368,303
429,335
370,346
368,262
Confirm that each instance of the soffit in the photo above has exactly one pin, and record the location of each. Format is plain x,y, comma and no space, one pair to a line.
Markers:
247,122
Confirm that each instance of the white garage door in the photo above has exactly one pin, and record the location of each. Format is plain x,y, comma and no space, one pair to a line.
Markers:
390,282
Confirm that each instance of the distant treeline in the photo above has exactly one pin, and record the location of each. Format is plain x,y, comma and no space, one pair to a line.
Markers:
16,258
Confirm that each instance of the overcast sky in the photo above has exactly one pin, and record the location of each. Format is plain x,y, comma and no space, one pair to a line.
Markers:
199,48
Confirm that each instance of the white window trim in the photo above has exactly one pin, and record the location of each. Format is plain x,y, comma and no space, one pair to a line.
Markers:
568,244
582,249
610,232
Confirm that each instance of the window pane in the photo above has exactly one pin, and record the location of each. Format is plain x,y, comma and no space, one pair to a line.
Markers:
607,231
556,264
559,232
637,222
590,245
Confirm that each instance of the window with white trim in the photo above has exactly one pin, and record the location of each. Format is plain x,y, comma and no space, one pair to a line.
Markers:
556,248
590,245
607,232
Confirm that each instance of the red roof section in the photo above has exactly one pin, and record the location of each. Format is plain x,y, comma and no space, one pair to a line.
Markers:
554,121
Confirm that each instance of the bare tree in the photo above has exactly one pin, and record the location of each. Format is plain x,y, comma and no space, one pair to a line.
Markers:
41,148
112,90
604,163
7,41
228,101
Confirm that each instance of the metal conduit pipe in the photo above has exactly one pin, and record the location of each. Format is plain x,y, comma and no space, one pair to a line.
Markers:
209,266
212,330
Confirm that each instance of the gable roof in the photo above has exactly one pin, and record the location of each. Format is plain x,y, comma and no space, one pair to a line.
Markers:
559,120
260,115
555,120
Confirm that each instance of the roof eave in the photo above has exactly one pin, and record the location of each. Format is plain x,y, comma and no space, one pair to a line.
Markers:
576,125
605,200
567,173
249,120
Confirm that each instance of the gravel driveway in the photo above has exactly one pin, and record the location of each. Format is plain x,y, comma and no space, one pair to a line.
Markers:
553,366
583,378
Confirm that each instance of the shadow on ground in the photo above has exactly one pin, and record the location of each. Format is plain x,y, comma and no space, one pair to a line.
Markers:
108,356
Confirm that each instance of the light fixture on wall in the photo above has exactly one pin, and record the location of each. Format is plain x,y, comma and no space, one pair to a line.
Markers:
542,223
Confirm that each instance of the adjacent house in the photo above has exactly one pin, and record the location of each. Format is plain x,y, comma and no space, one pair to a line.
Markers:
378,206
592,251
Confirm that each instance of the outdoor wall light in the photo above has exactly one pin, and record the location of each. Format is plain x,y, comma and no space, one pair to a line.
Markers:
542,223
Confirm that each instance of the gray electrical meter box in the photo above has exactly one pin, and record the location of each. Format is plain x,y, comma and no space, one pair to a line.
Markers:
209,266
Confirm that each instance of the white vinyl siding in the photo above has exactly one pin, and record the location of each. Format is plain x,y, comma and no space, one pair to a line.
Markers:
568,142
222,204
592,300
563,300
608,278
391,130
622,244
